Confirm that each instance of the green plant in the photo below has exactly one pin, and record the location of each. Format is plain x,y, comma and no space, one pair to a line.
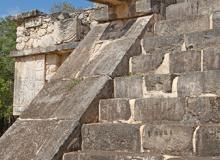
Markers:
74,82
7,44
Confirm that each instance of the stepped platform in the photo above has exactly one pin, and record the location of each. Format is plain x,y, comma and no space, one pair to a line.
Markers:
137,87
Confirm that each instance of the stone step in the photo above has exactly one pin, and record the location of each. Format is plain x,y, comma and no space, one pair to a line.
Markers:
170,139
169,63
168,85
139,86
103,155
106,155
199,84
111,137
165,138
194,158
180,26
192,8
161,110
176,62
208,140
181,42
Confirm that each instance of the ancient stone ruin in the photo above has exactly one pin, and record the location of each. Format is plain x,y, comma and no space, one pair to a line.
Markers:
126,80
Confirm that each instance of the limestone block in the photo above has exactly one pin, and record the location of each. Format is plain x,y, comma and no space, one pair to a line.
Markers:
195,158
192,8
19,33
165,43
36,43
204,109
216,19
148,110
29,43
53,62
191,84
50,29
173,27
168,139
211,59
114,110
185,61
181,11
208,141
111,137
42,32
45,41
20,46
29,80
34,138
159,82
20,28
129,87
146,63
126,9
44,26
203,39
101,13
94,155
33,22
143,6
199,83
19,39
25,39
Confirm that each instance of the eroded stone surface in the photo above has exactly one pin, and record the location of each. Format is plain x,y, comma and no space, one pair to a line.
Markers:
195,158
192,8
168,139
208,141
44,31
90,57
175,62
165,43
114,109
204,109
173,27
201,40
146,63
34,139
150,110
199,83
62,99
129,87
29,80
185,110
72,97
188,61
211,59
159,82
111,137
110,156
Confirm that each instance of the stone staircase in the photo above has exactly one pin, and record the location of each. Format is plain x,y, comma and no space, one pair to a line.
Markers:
133,89
168,106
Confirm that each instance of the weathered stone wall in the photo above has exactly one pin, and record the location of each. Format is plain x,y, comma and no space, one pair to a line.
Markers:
130,9
46,30
44,41
29,80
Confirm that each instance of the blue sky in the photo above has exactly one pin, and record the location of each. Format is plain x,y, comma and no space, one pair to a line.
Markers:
8,7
